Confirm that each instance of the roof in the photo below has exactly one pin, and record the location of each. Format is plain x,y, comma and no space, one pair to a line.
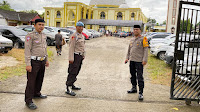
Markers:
27,16
106,2
17,16
123,23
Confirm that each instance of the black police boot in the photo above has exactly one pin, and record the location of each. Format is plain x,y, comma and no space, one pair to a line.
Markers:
133,90
141,97
75,88
70,92
31,106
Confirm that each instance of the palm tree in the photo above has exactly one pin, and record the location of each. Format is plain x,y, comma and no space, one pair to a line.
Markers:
4,3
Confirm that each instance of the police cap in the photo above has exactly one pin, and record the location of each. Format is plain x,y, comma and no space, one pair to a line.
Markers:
39,20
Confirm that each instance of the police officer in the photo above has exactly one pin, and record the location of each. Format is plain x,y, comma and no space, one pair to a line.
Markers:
36,60
76,56
137,55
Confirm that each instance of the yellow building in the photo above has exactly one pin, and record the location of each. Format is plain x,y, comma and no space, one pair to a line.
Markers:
72,12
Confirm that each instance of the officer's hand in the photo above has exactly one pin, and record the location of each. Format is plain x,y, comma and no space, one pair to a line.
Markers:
83,57
29,68
71,62
47,64
126,61
144,63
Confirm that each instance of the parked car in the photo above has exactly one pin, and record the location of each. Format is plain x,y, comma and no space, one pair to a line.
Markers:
70,31
5,44
120,34
159,49
167,40
50,35
16,35
157,36
95,33
88,34
55,30
190,64
169,55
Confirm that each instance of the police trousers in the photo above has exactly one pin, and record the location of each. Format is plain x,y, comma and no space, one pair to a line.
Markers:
136,70
34,80
74,70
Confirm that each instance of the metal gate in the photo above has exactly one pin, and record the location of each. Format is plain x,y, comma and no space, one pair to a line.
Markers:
185,83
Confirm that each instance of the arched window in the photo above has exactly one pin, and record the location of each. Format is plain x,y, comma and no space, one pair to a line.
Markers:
48,14
102,15
119,16
132,16
58,14
71,16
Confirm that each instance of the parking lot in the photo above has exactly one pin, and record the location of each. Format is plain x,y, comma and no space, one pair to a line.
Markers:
104,79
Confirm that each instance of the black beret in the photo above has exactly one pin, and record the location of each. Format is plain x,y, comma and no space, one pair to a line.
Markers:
137,26
39,20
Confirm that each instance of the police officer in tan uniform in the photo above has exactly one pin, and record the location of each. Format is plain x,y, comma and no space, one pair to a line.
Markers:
137,55
36,60
76,56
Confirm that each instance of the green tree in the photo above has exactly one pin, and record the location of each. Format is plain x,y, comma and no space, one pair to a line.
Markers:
164,22
42,15
151,20
6,6
185,25
30,11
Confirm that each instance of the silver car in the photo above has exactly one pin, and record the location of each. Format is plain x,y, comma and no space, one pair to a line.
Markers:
65,35
50,35
5,44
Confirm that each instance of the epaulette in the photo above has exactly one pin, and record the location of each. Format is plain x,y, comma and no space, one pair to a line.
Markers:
145,42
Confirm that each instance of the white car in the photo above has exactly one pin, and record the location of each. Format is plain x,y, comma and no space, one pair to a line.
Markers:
89,34
95,33
5,44
160,49
166,40
190,65
65,35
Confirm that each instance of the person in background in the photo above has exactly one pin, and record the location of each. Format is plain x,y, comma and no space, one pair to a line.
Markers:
59,42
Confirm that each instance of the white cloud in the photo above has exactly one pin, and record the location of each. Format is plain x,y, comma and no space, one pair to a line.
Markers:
151,8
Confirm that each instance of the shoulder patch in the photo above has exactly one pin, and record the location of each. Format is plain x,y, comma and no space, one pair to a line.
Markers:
28,38
145,42
73,37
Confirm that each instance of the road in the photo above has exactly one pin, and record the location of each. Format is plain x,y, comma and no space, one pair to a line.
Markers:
104,80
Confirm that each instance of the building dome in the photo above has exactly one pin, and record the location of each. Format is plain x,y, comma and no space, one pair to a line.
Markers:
124,5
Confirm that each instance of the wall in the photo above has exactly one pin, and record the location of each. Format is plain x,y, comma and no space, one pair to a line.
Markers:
3,21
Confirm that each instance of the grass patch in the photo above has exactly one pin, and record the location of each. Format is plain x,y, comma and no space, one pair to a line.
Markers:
50,54
160,72
18,70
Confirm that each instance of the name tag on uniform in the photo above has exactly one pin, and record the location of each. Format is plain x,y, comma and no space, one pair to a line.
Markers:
36,41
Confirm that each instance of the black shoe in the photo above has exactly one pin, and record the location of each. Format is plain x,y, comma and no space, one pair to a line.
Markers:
41,96
71,93
75,88
140,97
133,90
31,106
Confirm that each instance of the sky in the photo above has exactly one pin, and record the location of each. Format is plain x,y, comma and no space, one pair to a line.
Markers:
156,9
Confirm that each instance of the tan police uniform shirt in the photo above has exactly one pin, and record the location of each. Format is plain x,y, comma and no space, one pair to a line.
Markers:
35,45
76,45
138,49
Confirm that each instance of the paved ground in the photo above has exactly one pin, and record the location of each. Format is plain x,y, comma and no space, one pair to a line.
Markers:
104,79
